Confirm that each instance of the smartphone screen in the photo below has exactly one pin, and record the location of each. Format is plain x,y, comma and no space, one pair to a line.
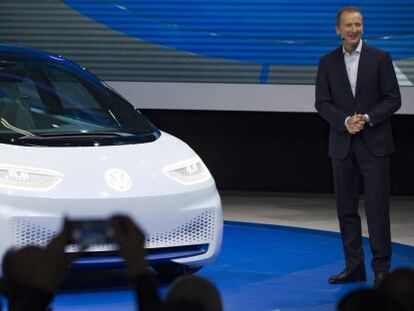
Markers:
89,232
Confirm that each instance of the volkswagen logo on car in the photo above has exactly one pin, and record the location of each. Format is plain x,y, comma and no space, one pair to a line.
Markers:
118,180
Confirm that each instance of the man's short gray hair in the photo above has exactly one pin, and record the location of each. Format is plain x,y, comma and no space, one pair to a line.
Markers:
348,9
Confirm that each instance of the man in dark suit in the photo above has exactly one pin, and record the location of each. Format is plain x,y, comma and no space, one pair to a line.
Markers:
356,93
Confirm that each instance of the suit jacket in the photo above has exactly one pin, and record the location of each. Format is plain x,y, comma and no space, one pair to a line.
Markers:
377,94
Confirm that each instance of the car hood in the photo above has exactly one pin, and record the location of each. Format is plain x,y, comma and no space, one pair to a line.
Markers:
84,170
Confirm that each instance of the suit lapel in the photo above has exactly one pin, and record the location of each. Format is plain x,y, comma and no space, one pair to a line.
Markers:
342,71
362,69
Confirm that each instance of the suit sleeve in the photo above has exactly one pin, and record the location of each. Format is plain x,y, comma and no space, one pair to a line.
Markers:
323,99
390,92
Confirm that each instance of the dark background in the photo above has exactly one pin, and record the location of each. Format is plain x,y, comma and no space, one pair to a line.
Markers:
281,152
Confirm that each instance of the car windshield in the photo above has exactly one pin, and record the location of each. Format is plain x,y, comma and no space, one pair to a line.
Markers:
47,104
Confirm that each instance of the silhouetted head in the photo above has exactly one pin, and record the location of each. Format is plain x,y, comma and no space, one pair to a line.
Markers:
398,286
193,293
362,300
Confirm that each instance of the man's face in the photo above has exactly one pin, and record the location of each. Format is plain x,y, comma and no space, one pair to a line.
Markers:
350,29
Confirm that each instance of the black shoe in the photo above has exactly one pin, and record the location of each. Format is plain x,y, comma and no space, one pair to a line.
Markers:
349,275
378,278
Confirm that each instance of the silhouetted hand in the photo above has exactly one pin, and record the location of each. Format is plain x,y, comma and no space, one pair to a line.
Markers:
40,268
131,241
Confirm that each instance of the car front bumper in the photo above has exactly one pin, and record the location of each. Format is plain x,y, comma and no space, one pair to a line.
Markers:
185,227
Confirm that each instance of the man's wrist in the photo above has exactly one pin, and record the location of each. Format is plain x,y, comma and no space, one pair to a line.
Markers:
367,119
137,267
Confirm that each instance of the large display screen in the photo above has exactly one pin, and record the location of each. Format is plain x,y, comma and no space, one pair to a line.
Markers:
184,42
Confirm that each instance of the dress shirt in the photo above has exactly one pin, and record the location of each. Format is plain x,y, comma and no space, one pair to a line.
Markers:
351,64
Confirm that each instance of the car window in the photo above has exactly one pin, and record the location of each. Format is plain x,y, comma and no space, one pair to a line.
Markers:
15,88
71,93
38,99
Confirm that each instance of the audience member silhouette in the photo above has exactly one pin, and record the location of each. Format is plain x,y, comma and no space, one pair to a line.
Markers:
362,300
131,241
192,293
395,293
186,293
32,275
398,287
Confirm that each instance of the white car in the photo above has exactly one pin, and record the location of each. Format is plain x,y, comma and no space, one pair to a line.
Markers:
72,147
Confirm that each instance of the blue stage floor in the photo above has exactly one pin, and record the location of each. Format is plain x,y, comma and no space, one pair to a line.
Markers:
261,267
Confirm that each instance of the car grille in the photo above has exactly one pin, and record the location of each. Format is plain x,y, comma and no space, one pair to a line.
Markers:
32,230
200,229
39,231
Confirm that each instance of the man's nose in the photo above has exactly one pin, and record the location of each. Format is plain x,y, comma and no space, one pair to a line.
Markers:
354,28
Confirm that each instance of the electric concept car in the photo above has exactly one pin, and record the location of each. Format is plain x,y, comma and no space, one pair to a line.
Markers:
70,146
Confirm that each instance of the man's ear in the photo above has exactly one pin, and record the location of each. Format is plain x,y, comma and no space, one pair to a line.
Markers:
337,30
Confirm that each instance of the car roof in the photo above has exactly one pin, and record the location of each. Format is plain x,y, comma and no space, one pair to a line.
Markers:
20,53
25,53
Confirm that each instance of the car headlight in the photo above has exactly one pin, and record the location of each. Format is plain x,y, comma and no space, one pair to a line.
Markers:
188,172
18,177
